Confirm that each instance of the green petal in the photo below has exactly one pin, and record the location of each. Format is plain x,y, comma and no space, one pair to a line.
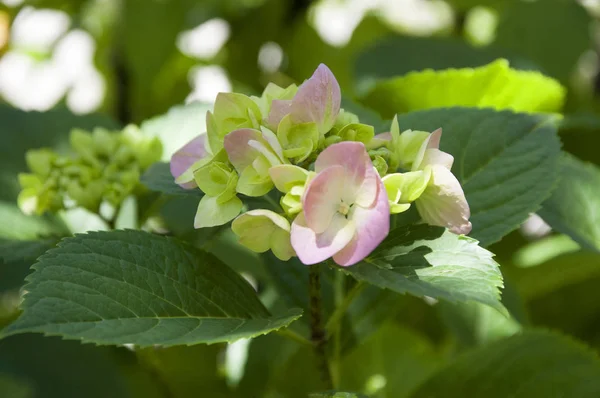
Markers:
210,213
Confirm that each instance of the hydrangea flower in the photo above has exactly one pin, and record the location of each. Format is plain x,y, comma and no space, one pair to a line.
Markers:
345,208
337,182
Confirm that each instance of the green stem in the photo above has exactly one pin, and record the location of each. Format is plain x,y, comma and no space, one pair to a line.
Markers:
318,336
290,334
334,321
339,288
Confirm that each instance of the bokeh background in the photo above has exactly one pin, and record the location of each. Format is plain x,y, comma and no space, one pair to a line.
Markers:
116,62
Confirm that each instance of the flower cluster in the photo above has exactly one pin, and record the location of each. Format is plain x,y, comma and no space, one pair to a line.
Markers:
105,166
338,181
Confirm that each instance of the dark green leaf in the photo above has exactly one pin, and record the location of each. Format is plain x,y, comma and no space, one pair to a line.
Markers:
573,206
506,162
532,364
522,29
158,178
134,287
15,250
429,261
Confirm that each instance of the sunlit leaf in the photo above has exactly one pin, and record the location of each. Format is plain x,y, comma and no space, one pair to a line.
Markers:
133,287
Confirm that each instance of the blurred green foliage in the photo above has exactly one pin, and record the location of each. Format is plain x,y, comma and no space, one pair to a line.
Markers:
391,345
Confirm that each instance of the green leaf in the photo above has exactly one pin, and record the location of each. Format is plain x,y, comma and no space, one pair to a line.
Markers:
532,364
15,250
158,178
399,55
178,126
15,259
573,206
506,162
133,287
391,363
494,85
554,274
429,261
522,29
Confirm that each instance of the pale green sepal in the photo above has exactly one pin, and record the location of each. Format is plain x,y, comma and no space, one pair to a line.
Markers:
261,230
411,147
357,132
404,188
251,183
232,111
272,92
216,176
380,165
298,140
211,213
286,176
343,119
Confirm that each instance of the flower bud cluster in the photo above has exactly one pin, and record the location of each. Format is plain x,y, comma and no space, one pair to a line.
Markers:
103,166
338,181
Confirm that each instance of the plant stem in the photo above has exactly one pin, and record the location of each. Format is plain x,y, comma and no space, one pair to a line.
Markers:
290,334
318,336
339,288
333,323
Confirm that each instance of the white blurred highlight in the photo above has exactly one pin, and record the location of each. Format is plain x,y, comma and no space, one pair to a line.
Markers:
270,57
535,227
38,29
31,84
335,20
207,82
12,3
205,40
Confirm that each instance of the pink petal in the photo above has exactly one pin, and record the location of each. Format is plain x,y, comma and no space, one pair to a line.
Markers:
435,156
313,248
432,142
318,100
323,197
240,154
372,226
186,156
355,160
383,136
434,139
279,109
443,202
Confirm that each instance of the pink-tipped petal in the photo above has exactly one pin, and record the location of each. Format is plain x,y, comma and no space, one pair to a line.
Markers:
434,139
317,100
359,181
240,154
313,248
383,136
435,156
372,226
323,197
279,109
186,156
443,202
